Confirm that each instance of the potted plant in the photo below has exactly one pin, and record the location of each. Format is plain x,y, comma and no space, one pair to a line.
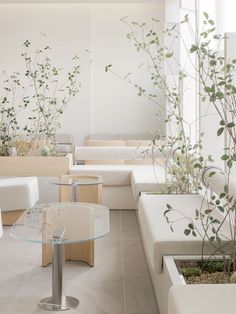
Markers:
31,106
32,102
215,75
182,156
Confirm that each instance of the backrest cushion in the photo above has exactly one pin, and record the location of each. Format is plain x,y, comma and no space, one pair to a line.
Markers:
97,154
105,143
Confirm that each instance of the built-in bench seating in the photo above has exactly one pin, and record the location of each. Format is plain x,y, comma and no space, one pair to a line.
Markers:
160,241
123,181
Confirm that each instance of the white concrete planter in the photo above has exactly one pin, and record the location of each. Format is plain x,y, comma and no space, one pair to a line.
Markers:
196,298
164,281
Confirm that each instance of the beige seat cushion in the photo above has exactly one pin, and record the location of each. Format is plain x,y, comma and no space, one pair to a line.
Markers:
105,143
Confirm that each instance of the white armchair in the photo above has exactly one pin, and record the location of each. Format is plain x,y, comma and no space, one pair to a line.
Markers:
16,195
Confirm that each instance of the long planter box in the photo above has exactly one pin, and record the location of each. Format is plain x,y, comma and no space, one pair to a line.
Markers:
196,298
35,166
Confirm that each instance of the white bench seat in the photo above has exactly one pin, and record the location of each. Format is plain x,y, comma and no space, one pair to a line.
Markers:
124,183
148,178
113,175
158,239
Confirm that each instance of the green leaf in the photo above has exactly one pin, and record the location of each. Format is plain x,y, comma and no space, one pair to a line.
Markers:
169,54
221,209
213,97
225,157
185,20
208,89
108,67
194,233
211,239
230,163
206,15
220,131
187,232
194,48
222,195
191,226
226,188
211,174
231,125
208,211
220,95
216,221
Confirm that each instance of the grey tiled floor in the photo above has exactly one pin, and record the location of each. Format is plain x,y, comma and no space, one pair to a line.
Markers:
119,283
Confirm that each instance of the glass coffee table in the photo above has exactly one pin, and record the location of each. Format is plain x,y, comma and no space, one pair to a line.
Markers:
77,181
58,224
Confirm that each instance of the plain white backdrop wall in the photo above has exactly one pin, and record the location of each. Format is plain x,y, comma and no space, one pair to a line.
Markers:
116,107
222,12
105,103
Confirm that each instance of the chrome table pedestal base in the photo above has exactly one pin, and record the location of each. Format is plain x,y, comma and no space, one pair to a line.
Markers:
58,301
69,303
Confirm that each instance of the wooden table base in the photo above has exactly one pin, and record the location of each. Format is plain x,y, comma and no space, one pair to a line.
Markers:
83,252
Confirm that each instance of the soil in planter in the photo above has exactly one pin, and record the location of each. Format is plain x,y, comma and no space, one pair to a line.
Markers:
213,272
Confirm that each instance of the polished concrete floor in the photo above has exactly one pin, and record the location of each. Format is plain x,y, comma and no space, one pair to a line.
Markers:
119,283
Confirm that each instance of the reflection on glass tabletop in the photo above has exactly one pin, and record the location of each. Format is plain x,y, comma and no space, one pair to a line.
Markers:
62,223
70,181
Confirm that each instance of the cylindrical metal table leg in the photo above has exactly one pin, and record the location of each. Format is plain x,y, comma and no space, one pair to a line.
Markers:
75,192
58,302
57,274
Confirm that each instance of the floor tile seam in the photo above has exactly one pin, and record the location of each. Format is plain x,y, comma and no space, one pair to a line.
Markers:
145,257
123,262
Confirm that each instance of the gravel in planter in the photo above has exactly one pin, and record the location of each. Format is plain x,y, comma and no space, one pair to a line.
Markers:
213,272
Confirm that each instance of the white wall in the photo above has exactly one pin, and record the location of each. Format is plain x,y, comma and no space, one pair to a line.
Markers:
116,107
222,12
105,104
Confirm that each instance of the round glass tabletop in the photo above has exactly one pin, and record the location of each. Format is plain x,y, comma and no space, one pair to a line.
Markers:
62,223
70,181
